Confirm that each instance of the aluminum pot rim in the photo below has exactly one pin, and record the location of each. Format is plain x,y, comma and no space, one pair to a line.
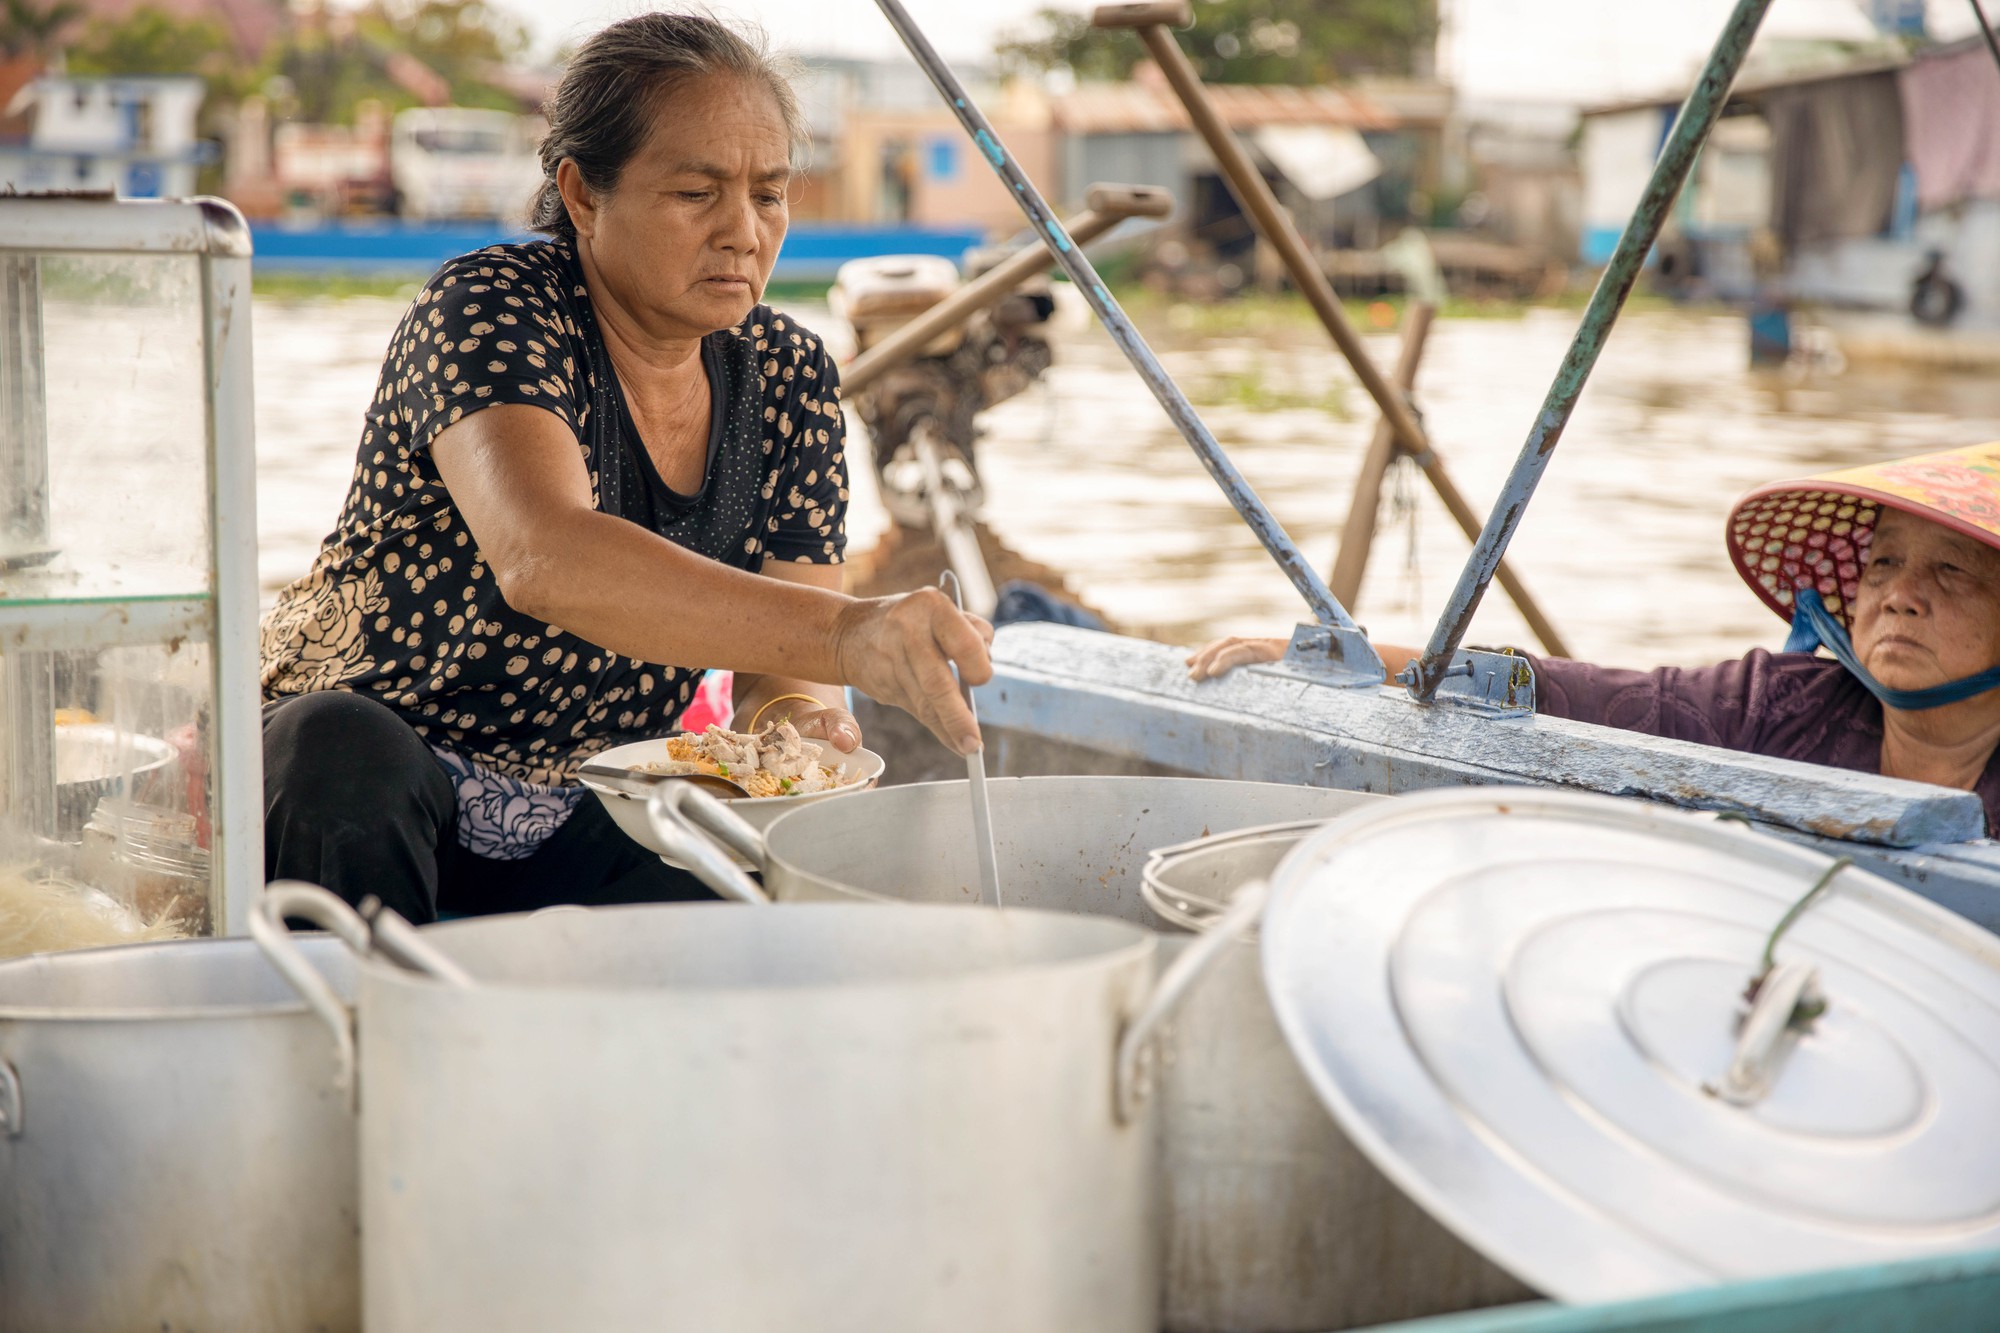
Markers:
800,815
290,1007
1139,945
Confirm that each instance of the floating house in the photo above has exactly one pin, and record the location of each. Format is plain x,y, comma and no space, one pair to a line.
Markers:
133,137
1871,183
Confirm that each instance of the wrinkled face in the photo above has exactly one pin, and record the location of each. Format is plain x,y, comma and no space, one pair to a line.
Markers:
1928,610
687,241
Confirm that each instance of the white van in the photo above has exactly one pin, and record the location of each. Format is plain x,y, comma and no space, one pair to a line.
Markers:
457,162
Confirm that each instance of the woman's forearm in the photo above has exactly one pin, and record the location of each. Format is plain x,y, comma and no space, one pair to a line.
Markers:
629,590
520,484
517,477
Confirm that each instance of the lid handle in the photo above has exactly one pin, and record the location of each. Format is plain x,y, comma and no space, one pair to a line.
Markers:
1787,1000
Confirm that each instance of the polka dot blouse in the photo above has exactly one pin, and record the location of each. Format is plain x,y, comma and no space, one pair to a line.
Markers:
399,604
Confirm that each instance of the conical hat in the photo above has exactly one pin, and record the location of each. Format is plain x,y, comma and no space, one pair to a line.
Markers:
1814,532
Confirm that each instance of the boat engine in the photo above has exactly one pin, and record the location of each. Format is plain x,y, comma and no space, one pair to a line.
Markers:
989,358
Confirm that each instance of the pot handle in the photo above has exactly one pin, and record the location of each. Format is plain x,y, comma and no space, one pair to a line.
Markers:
1134,1079
285,898
700,831
389,936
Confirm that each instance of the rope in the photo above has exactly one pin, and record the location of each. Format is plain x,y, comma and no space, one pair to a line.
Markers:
1813,626
1797,909
1403,509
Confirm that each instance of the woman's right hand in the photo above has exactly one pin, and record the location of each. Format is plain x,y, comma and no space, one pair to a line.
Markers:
900,650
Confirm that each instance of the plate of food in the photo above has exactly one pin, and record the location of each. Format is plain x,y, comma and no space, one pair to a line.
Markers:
776,770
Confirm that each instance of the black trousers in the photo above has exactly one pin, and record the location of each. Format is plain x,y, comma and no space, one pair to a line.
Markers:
355,801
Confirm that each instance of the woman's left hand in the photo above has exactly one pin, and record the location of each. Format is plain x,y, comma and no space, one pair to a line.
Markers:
835,726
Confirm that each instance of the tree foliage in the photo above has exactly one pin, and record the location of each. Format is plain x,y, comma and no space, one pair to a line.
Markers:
153,41
1243,41
329,68
31,29
325,64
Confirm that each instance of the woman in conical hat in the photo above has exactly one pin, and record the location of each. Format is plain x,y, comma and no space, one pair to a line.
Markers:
1893,569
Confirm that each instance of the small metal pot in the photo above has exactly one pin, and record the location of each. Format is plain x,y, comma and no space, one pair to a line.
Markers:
1301,1231
1274,1223
174,1151
837,1117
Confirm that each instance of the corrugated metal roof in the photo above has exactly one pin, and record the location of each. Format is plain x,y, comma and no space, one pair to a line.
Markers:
1143,108
1759,78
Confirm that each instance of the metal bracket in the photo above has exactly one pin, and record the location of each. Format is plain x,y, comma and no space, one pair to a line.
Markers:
1495,684
1332,655
10,1101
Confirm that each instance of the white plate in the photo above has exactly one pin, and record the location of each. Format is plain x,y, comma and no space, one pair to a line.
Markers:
630,812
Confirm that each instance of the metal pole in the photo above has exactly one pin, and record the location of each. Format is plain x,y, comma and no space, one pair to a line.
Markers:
1357,535
1986,31
1253,193
1325,608
1697,117
956,532
236,746
27,676
1104,208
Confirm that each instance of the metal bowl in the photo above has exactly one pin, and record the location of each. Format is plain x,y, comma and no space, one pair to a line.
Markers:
95,760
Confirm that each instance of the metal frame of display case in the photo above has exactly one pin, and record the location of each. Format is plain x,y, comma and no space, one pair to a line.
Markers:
212,232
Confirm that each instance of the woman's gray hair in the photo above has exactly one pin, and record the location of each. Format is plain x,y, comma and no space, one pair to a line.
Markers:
604,108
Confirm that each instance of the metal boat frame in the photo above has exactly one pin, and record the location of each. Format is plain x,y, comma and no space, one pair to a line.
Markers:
1324,716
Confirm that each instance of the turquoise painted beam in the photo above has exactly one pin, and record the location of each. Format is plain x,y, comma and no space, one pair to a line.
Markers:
1954,1294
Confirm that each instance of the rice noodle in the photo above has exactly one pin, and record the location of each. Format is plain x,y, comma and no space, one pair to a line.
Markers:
47,915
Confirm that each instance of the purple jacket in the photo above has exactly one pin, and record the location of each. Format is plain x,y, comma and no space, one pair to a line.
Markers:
1785,705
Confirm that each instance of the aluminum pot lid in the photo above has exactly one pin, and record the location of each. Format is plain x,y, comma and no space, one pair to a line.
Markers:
1529,1009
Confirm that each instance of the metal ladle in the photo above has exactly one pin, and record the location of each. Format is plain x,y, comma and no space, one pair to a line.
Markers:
975,772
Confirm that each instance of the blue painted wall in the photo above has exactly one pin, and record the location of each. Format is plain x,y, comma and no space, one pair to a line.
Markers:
812,251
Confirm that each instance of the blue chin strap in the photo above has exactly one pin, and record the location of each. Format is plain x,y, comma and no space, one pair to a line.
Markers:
1813,625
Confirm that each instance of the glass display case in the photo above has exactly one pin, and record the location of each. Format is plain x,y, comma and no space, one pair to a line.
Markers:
130,758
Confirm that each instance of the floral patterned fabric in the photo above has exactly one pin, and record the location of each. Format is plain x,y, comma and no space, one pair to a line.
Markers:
401,606
1815,533
503,818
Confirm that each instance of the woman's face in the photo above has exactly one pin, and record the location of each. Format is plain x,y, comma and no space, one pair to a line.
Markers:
1928,610
687,240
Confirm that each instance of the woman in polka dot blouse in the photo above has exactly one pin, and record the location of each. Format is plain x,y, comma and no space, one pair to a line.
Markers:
595,466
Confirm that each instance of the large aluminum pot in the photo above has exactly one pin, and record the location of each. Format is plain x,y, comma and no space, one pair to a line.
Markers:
1274,1223
714,1116
175,1153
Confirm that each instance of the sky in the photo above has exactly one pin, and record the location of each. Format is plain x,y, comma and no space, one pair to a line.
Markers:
960,29
1537,50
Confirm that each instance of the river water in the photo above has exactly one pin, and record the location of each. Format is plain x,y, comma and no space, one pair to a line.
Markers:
1623,544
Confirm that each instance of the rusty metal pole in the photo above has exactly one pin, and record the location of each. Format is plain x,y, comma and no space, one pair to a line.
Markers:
1357,535
1105,206
1151,20
1704,106
1247,183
